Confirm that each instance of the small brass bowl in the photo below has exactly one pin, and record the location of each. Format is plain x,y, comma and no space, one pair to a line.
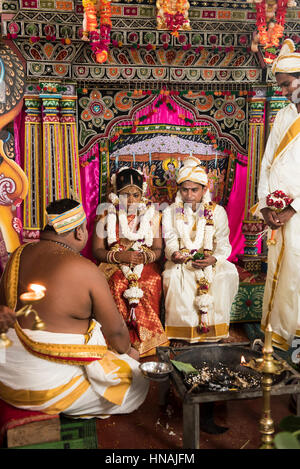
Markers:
156,371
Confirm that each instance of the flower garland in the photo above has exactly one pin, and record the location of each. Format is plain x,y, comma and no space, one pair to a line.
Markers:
100,39
174,21
269,36
184,221
173,15
143,239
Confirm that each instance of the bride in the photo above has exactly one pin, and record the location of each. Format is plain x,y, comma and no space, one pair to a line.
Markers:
127,243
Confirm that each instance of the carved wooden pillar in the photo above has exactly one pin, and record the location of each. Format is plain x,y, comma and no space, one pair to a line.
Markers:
70,147
32,213
53,160
275,103
251,225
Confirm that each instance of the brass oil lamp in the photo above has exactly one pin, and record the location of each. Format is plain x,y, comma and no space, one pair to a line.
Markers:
36,293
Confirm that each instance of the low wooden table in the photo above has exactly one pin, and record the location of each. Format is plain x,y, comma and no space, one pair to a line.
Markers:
191,402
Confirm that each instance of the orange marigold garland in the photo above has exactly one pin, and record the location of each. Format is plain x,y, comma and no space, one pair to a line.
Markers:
269,35
270,22
99,38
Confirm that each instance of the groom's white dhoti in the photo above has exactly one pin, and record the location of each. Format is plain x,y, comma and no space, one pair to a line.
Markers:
180,289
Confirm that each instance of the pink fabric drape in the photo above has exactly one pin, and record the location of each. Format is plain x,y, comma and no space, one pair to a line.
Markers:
164,115
19,139
89,176
235,211
19,136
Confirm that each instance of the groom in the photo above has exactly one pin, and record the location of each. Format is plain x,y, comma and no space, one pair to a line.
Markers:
199,283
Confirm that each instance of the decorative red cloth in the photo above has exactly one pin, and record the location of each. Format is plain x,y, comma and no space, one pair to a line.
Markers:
11,417
148,332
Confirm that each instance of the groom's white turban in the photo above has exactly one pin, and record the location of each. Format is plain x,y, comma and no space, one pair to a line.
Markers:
192,171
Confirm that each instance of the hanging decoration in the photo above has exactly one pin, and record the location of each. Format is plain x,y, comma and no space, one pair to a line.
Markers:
173,15
270,22
99,37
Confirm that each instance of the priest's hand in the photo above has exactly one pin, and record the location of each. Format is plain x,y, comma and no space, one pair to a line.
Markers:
178,258
202,263
7,318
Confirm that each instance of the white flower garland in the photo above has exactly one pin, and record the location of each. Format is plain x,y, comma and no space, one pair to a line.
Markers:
142,237
144,232
184,221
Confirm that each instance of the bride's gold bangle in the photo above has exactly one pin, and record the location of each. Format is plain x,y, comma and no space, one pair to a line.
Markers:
114,257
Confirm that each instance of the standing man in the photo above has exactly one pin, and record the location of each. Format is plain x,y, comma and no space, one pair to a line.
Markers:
199,283
280,171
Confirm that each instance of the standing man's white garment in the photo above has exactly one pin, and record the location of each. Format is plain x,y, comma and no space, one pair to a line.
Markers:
198,293
280,170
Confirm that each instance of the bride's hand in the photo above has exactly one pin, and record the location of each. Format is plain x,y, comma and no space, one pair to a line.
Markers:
130,257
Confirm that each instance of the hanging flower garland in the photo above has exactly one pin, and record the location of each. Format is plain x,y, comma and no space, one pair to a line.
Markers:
173,15
269,35
99,38
270,22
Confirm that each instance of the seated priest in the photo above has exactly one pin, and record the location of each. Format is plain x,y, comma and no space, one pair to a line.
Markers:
127,243
199,283
81,362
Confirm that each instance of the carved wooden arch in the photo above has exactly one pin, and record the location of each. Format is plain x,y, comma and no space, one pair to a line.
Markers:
198,117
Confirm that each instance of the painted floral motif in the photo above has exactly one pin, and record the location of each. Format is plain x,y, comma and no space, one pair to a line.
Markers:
17,224
96,108
229,110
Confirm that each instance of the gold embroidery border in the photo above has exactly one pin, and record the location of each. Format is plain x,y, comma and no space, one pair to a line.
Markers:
60,350
189,333
27,397
11,278
292,132
279,341
275,277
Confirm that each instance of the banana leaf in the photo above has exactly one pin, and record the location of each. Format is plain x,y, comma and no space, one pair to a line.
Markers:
184,367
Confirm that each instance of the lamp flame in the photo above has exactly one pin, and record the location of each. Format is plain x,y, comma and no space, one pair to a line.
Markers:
35,287
36,292
243,360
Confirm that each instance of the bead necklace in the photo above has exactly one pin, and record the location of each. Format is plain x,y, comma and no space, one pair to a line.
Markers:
62,244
